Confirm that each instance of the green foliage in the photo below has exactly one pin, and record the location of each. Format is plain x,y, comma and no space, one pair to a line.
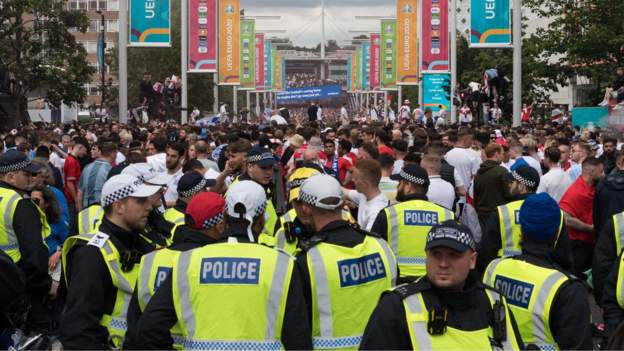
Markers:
37,49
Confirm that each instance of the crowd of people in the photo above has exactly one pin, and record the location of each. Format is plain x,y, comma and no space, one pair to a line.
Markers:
339,232
304,80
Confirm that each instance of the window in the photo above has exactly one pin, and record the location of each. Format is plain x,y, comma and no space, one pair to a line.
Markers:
90,46
113,5
93,4
102,5
94,26
94,89
112,26
73,4
82,4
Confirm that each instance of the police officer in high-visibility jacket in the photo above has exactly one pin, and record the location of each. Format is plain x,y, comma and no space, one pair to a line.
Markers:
190,184
101,268
234,294
448,309
501,234
406,224
613,297
345,270
21,234
609,245
549,304
204,225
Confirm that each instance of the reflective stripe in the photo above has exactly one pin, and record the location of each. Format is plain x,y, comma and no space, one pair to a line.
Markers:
411,260
489,274
144,294
394,229
84,220
423,341
539,326
391,261
496,297
322,293
231,345
275,295
620,232
510,252
9,247
123,283
281,240
447,214
179,221
184,291
12,243
287,217
337,343
508,234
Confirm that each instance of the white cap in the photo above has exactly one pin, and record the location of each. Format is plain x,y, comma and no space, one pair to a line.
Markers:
122,186
319,190
147,173
248,197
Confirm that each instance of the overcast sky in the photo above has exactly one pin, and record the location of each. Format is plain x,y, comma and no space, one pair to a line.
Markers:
302,18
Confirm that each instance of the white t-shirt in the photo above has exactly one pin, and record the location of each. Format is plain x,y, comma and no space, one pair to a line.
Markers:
172,187
158,162
465,161
279,119
556,182
441,192
398,166
368,210
533,163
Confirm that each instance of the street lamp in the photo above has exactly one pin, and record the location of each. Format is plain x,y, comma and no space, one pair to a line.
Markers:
102,47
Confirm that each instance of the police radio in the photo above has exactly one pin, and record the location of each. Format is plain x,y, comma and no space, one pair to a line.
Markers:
499,325
438,319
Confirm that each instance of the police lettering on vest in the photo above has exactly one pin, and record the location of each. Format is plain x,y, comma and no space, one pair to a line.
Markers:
517,216
161,274
361,270
230,270
517,293
420,218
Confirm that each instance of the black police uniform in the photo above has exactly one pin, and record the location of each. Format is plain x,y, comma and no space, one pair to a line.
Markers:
613,313
605,256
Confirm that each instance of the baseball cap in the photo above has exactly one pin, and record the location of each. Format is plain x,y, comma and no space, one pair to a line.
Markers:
540,217
205,210
451,234
13,160
122,186
321,191
412,173
193,183
525,175
260,156
147,173
247,200
296,180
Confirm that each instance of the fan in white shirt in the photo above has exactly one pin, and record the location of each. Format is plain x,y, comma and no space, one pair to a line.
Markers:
367,196
440,192
465,160
555,182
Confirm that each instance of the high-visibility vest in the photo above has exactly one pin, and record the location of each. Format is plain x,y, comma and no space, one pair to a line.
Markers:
174,216
509,226
618,230
89,219
270,215
346,283
124,282
619,289
155,267
530,291
408,225
8,240
246,282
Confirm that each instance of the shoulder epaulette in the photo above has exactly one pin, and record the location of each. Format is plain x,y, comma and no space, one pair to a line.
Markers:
405,290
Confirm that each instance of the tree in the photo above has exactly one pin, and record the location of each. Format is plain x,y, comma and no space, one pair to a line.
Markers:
40,55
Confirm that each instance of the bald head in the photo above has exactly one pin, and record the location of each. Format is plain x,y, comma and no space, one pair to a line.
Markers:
310,156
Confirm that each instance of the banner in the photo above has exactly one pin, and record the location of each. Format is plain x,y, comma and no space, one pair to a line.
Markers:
375,61
277,71
299,95
434,36
365,65
407,42
358,69
353,71
283,72
388,54
349,86
202,36
150,23
259,61
247,54
490,23
268,65
437,91
229,40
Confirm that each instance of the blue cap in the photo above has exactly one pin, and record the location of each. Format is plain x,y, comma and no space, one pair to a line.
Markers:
540,218
520,162
261,156
13,161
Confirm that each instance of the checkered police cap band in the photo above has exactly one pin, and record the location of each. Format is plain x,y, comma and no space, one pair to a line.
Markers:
14,167
308,198
260,209
411,178
211,222
452,234
261,157
196,189
526,182
121,193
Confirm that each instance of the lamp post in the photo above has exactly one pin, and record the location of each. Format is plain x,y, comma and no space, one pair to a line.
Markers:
103,53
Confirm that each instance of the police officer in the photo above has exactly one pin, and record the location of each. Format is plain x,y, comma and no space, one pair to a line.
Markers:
501,234
609,245
406,224
101,268
22,234
344,270
613,297
448,309
232,294
549,305
190,184
203,226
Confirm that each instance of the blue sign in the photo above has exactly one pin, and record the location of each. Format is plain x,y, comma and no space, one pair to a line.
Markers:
161,274
357,271
590,116
420,218
268,65
229,270
296,95
516,292
365,64
490,24
437,91
150,23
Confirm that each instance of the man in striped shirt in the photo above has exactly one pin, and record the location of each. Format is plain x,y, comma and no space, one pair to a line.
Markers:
94,174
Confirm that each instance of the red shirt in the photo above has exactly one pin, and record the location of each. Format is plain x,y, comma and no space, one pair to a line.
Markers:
578,201
385,150
71,173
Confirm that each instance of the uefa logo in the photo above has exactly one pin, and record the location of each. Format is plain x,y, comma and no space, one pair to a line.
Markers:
229,9
407,8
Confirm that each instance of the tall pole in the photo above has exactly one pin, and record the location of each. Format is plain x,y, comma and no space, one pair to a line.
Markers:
123,61
247,102
453,36
103,67
234,100
517,62
184,58
323,29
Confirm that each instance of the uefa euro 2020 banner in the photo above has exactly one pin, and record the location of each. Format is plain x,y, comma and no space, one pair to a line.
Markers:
229,40
365,65
358,68
150,23
437,91
490,24
388,54
202,36
259,61
247,54
375,61
268,65
434,37
407,38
